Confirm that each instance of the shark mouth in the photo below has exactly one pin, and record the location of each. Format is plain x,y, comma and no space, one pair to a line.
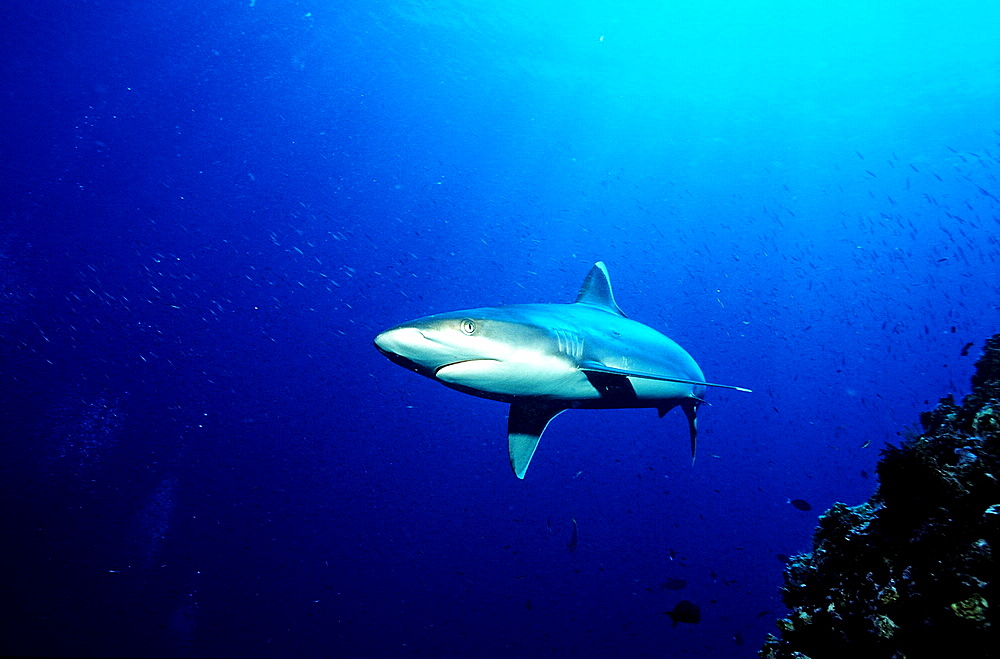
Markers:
406,363
461,361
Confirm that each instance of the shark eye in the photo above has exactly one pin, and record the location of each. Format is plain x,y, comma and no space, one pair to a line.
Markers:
468,327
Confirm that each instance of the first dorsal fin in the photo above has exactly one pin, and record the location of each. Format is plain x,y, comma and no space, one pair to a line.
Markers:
596,290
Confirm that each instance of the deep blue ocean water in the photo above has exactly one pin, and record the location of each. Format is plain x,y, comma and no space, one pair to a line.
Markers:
209,209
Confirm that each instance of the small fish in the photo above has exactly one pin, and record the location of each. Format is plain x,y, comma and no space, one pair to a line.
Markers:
674,584
574,539
965,349
685,611
801,504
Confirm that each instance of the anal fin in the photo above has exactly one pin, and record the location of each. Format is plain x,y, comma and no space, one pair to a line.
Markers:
525,424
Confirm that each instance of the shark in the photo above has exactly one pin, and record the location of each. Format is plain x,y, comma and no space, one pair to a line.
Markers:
543,359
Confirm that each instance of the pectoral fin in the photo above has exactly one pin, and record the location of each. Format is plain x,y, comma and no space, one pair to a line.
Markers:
525,424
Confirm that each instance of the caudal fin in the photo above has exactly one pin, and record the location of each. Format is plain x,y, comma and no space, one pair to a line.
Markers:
690,407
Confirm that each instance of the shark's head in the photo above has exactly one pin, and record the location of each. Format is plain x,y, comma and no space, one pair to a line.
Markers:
487,351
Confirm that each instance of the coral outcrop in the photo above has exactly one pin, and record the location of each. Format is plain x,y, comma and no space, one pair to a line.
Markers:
912,572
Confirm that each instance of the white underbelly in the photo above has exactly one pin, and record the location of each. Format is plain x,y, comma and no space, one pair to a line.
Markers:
552,378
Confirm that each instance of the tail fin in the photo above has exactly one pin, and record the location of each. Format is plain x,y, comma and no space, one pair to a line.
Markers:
690,407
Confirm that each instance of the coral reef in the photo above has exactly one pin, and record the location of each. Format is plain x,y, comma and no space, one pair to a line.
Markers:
911,573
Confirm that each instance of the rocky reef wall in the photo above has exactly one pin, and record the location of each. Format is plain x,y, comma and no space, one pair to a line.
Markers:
912,572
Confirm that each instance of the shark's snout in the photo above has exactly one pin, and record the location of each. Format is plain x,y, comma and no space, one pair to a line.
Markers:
410,348
402,341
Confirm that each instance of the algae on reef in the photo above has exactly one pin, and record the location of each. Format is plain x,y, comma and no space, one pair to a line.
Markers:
912,572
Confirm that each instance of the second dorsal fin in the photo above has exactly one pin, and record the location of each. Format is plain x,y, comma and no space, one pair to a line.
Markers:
596,290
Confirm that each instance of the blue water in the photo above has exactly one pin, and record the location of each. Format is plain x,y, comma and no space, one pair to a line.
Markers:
209,209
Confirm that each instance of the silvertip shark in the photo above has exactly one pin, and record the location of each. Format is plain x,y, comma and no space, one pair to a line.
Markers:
544,359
